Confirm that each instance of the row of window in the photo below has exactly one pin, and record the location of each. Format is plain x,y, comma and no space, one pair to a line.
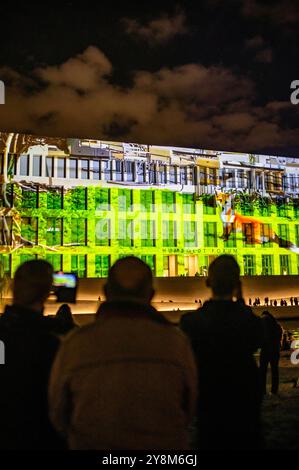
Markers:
150,172
102,264
78,200
125,233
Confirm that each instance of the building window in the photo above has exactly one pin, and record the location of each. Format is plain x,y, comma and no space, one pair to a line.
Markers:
140,170
248,234
210,234
209,205
49,167
103,232
25,258
24,165
102,265
102,199
118,170
168,202
230,239
147,200
5,265
283,234
147,233
150,260
163,174
84,169
106,170
266,235
30,198
79,198
29,226
296,208
183,175
55,261
188,204
96,170
282,208
54,232
79,231
73,168
37,165
264,208
79,265
125,200
169,235
54,198
190,234
125,232
285,267
173,174
249,265
60,167
153,179
267,265
129,171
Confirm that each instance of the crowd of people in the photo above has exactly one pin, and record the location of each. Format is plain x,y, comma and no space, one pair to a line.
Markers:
292,301
131,379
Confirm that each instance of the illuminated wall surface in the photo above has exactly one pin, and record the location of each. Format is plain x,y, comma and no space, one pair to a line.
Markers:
82,204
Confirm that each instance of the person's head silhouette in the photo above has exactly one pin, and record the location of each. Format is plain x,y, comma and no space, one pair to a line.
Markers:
224,277
32,284
130,279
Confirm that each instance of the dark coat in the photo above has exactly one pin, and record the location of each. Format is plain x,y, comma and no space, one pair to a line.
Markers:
30,349
224,336
272,336
126,381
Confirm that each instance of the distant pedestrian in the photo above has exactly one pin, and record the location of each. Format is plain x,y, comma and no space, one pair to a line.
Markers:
270,351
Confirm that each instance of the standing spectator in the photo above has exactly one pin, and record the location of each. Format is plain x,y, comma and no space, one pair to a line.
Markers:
275,303
128,380
29,351
250,301
292,301
224,335
270,352
266,301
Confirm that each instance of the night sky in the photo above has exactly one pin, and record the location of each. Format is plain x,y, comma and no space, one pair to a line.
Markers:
210,74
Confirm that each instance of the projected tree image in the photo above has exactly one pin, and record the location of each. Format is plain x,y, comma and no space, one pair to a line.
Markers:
82,204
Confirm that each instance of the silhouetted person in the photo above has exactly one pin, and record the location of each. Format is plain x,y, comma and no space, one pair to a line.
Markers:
292,301
224,335
65,320
250,301
266,301
275,303
128,380
29,351
270,352
296,301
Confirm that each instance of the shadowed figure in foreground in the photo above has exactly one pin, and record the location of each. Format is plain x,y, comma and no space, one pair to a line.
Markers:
30,348
224,335
127,381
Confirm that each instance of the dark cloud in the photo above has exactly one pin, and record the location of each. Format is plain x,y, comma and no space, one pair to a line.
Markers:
281,12
188,105
159,30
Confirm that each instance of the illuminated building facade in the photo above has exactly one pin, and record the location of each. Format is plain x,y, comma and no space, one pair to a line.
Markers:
82,204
